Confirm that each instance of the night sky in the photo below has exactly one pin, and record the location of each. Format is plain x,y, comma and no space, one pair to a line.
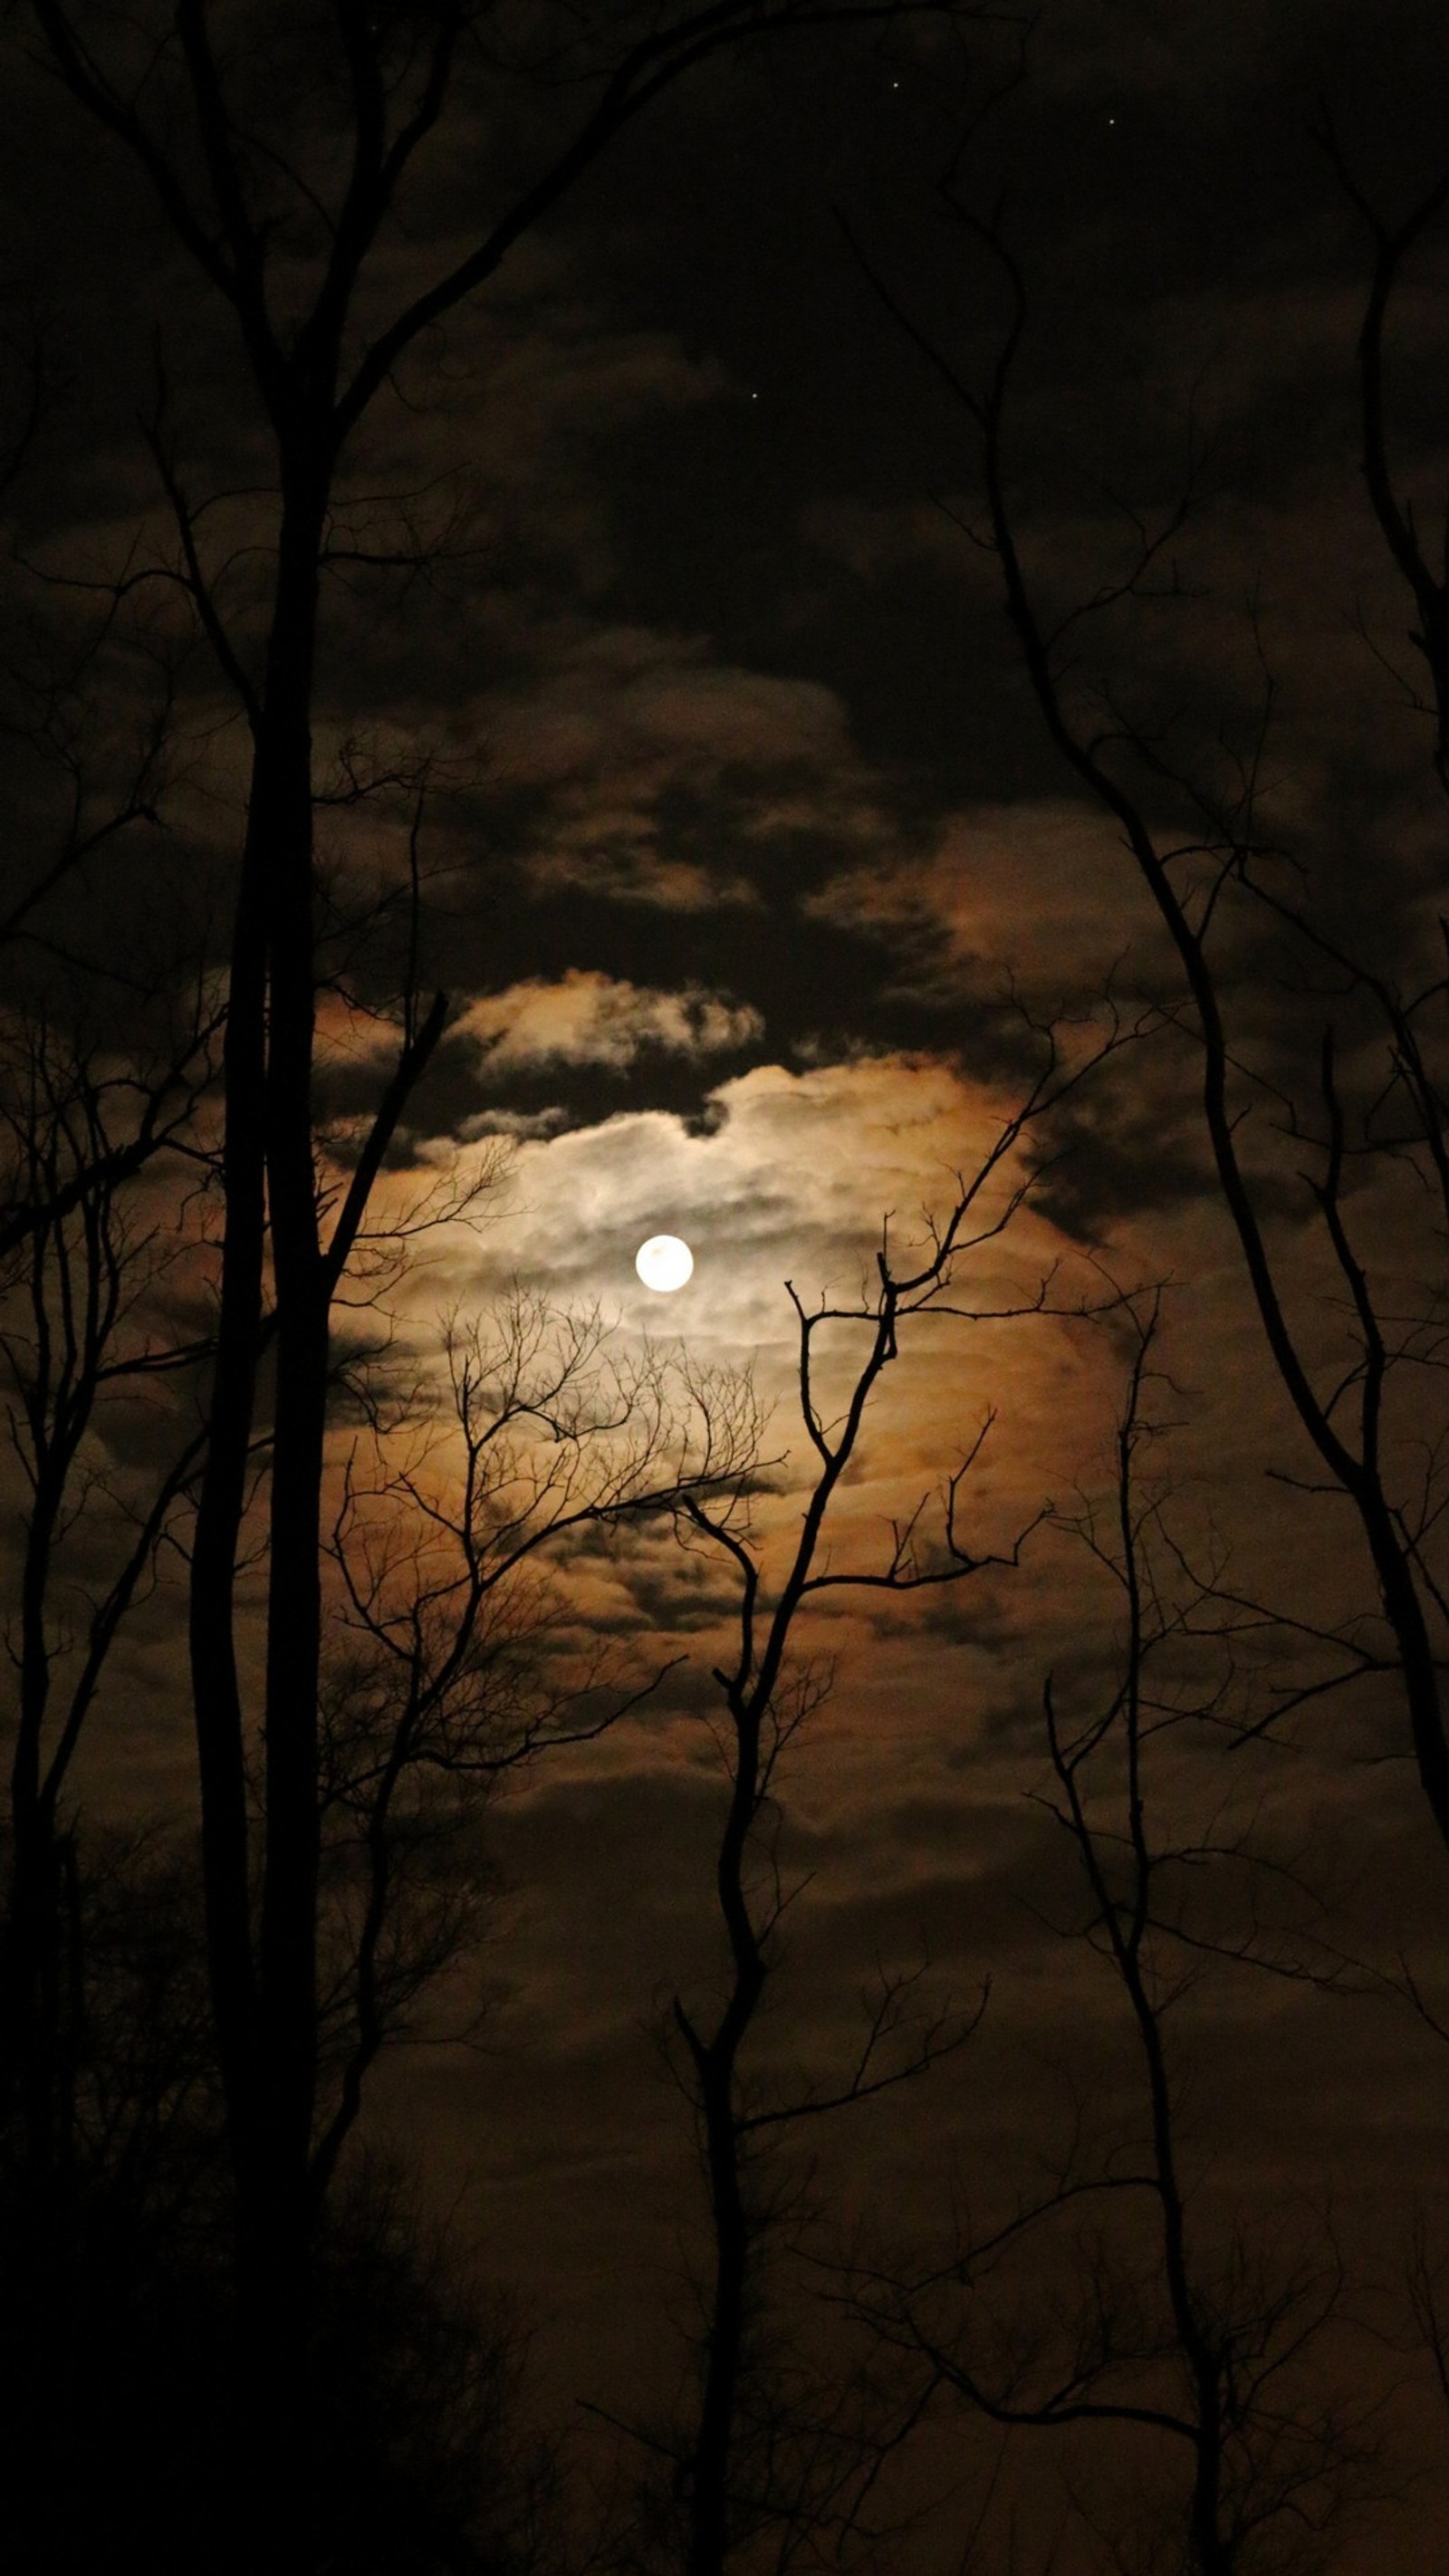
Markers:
754,884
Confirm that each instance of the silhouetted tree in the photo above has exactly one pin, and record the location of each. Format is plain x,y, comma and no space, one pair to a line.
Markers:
280,149
453,1664
1331,1114
1362,1406
84,1333
1119,2297
772,2462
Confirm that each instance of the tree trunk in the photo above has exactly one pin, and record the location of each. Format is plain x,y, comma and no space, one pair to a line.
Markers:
265,1989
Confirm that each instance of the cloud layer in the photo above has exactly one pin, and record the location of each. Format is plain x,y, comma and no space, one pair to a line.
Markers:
588,1018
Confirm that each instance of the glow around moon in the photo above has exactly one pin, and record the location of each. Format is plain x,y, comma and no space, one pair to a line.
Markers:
664,1263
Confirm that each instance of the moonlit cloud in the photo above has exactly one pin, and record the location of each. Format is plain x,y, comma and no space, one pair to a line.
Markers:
790,1176
794,1177
587,1018
1038,893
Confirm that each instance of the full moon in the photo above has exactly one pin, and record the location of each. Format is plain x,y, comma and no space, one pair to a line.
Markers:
664,1262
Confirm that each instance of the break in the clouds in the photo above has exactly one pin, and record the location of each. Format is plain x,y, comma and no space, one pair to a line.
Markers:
587,1018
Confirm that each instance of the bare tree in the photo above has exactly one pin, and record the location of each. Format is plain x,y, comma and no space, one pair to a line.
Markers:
140,1028
84,1328
1119,2297
454,1663
1350,1292
1369,1408
771,2461
100,1450
257,176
